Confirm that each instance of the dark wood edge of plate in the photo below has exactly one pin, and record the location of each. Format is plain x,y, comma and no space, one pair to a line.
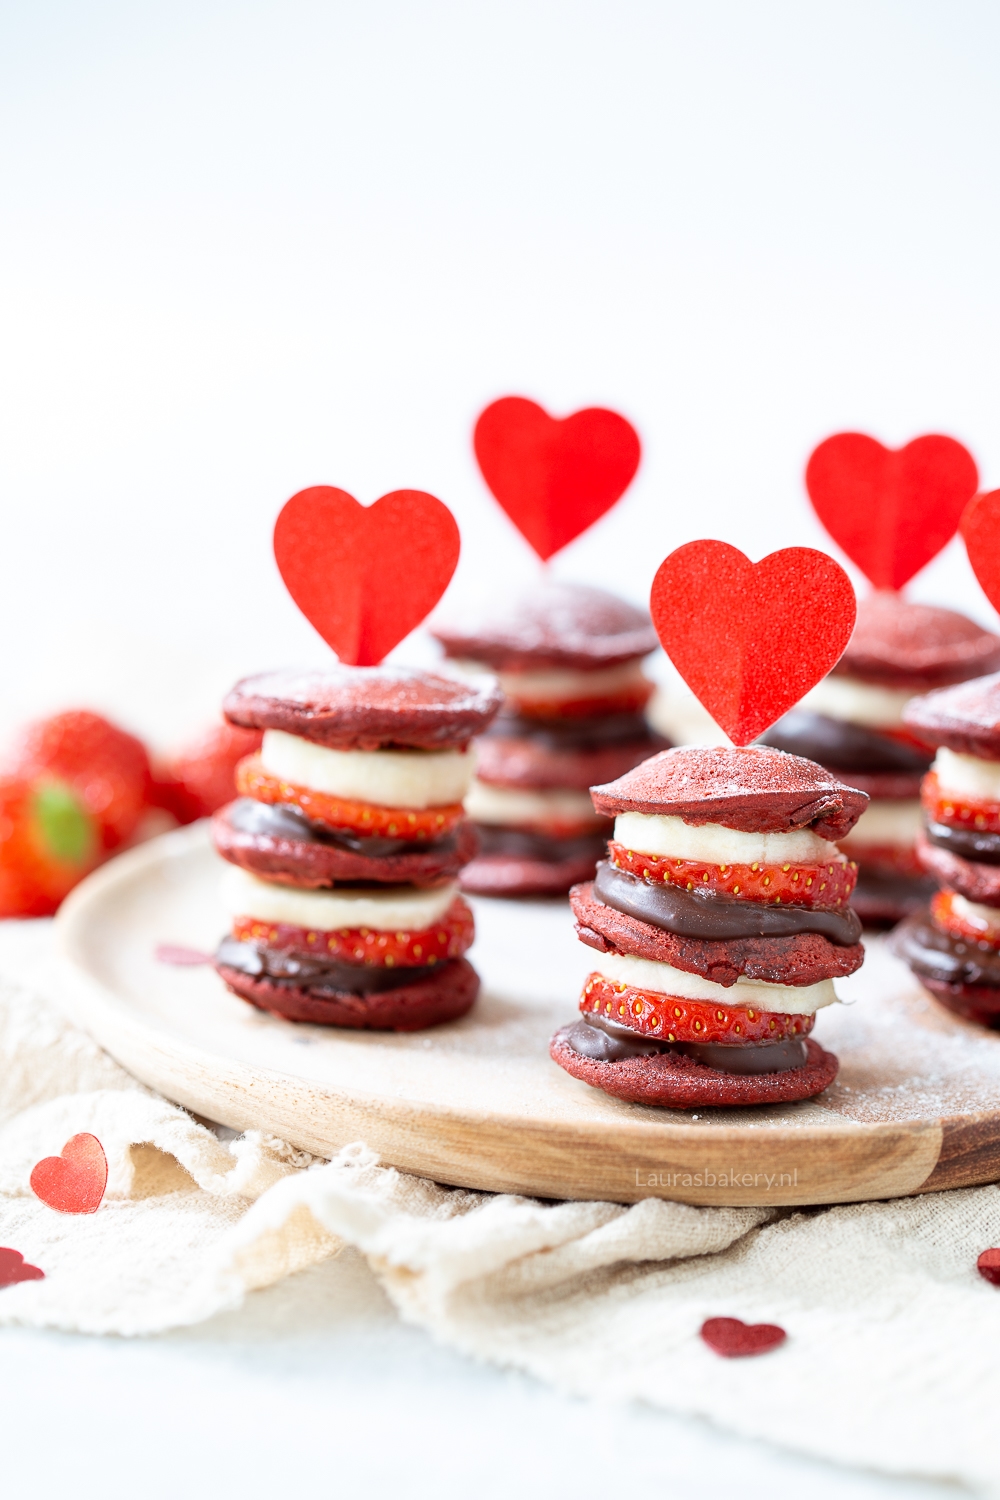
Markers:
970,1153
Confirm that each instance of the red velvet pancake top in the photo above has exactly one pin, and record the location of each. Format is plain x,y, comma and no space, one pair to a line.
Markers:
554,625
753,789
965,718
365,708
916,645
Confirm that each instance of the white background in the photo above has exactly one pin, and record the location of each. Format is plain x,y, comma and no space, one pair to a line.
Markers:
250,247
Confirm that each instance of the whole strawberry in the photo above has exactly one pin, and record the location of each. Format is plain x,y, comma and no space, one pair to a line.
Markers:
106,768
48,841
200,779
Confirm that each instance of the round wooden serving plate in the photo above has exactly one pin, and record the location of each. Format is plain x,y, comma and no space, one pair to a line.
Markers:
479,1103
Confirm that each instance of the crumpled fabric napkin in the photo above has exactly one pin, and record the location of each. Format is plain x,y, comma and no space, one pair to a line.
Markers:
891,1357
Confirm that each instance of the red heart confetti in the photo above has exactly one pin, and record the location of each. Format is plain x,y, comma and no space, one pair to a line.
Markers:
988,1266
751,639
173,953
14,1268
735,1339
74,1181
891,510
981,534
364,576
554,476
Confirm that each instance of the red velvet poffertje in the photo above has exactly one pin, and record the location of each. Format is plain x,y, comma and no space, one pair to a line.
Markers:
346,843
719,921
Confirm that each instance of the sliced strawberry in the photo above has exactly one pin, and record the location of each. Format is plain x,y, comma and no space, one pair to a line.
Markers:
202,777
985,933
448,938
894,859
904,736
48,842
107,768
828,884
963,812
628,700
674,1020
338,812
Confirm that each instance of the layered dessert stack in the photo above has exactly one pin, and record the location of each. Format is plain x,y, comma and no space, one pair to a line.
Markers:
954,948
346,843
718,920
569,659
853,724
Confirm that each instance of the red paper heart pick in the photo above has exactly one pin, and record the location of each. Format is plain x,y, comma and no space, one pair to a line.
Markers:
365,576
74,1181
751,639
554,477
14,1268
988,1266
981,535
891,510
734,1338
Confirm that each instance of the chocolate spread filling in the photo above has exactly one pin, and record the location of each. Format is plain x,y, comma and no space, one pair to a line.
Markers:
521,844
579,734
843,747
892,888
967,843
936,954
604,1040
314,972
704,913
283,821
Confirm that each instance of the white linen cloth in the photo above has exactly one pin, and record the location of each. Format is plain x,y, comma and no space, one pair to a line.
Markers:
891,1359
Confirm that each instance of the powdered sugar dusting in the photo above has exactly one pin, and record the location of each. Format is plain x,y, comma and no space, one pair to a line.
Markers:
902,1056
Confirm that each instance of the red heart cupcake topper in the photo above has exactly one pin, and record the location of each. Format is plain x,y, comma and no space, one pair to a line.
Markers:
891,510
74,1181
751,639
981,535
365,576
554,477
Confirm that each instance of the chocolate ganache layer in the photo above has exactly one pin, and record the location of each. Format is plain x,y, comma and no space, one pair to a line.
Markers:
968,843
848,747
522,843
283,821
935,954
704,913
311,971
604,1040
577,734
883,897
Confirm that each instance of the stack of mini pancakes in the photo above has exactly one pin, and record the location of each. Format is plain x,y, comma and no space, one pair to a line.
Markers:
852,723
569,659
719,920
346,843
954,948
